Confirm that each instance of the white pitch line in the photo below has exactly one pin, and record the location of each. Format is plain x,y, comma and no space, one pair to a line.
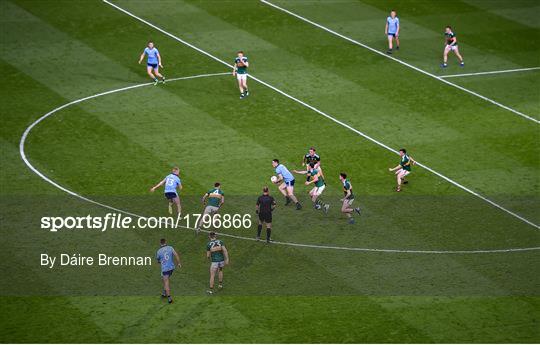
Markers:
490,72
328,116
292,244
400,61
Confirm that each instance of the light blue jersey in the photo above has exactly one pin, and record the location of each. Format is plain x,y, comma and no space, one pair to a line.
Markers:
393,24
172,182
283,171
165,256
152,55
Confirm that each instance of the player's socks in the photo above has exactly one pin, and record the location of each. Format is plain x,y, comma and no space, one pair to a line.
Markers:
298,206
163,79
156,81
325,208
268,234
259,229
170,208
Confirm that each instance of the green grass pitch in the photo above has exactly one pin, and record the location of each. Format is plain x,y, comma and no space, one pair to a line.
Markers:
428,284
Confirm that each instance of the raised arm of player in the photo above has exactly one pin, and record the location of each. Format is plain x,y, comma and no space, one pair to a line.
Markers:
157,185
395,168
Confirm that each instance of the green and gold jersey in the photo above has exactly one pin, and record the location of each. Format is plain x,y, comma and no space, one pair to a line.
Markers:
217,253
405,162
450,38
320,181
214,197
347,187
241,69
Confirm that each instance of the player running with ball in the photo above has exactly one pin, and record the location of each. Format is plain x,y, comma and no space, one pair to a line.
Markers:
153,63
403,168
286,187
241,65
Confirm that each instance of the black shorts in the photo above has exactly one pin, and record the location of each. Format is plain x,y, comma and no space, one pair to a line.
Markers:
265,217
153,65
167,273
171,196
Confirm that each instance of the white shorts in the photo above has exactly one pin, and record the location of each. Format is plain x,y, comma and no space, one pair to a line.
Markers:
241,76
449,47
218,264
403,172
318,190
210,210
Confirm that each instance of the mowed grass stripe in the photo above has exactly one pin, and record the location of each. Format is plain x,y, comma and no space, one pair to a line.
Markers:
367,137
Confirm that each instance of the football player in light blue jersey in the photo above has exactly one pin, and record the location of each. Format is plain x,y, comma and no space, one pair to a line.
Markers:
153,63
171,182
391,30
286,183
165,256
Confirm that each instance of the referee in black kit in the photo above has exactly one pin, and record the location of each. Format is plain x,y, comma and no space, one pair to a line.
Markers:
265,206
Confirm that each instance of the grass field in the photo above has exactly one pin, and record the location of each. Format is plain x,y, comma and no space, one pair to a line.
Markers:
434,263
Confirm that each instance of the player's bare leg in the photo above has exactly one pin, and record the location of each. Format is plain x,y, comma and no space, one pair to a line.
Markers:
397,43
150,74
240,86
283,189
178,205
290,191
390,43
167,288
456,51
220,278
212,278
244,85
445,56
156,72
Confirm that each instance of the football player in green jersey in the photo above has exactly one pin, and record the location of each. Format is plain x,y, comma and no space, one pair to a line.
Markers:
241,65
218,255
213,199
315,176
403,168
348,199
451,45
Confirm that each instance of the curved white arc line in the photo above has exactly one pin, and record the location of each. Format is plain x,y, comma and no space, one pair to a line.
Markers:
45,178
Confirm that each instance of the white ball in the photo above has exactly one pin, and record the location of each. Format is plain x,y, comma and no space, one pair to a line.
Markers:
273,179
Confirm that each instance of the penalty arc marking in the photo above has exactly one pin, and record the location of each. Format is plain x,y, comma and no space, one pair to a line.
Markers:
301,245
